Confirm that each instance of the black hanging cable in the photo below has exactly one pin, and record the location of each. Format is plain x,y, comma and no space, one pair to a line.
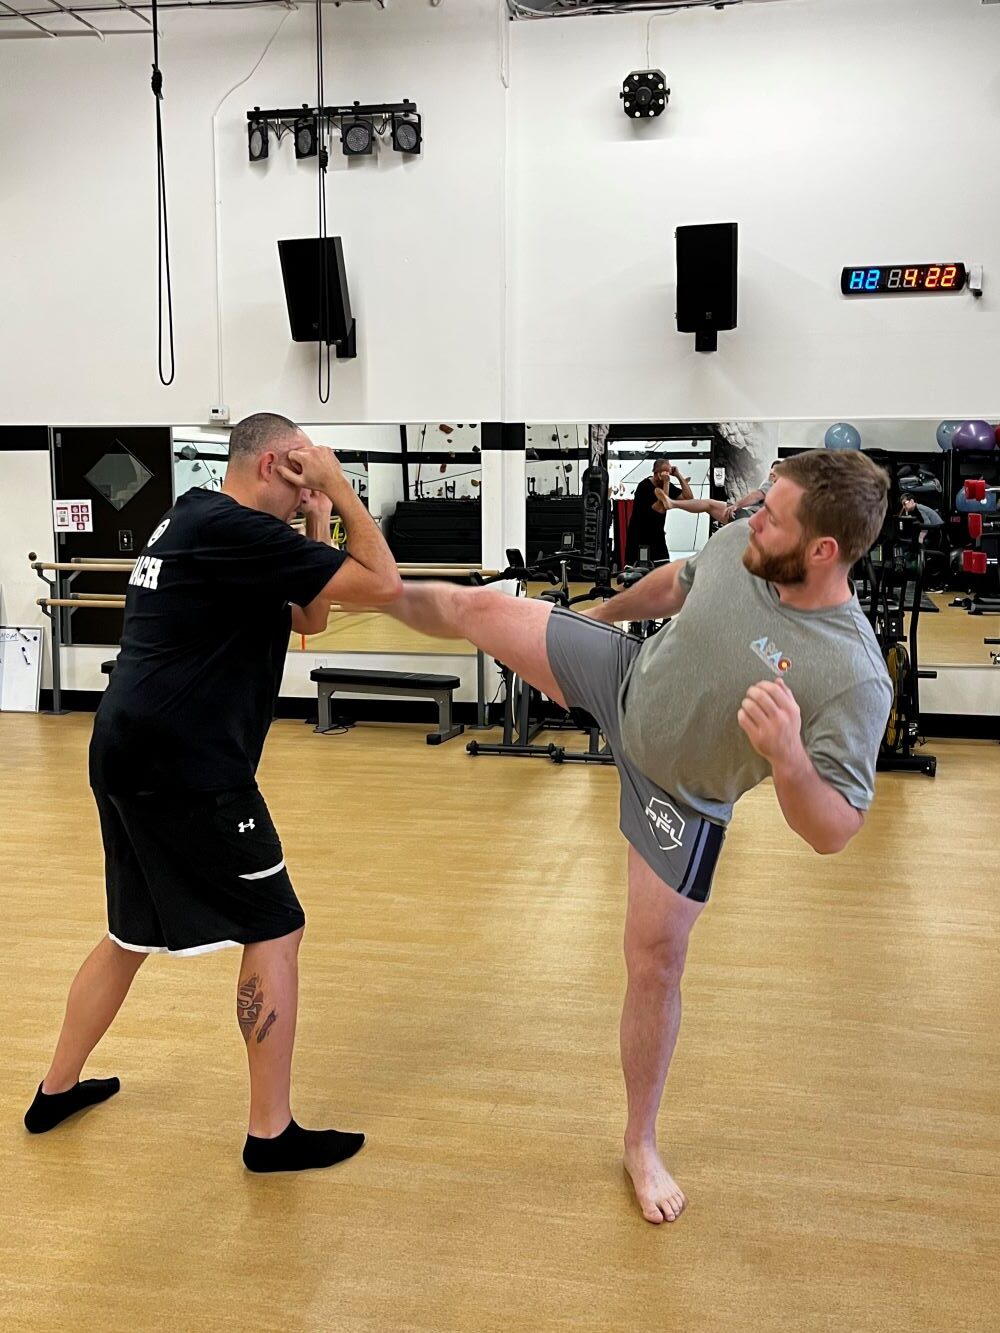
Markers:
162,235
322,158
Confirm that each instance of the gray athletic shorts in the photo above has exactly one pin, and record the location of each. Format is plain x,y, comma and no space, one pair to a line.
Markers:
590,661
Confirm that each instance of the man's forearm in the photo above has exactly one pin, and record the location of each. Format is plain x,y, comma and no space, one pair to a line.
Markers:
654,597
751,497
365,542
812,808
318,528
686,492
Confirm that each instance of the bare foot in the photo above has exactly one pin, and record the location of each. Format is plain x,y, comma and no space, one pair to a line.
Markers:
658,1194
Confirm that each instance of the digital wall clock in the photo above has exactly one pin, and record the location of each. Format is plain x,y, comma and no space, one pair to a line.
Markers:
901,279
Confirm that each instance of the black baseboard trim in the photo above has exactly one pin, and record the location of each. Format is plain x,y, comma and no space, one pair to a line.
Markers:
960,726
946,726
304,709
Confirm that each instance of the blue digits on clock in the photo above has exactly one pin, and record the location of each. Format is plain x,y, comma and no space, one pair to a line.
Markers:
858,280
871,282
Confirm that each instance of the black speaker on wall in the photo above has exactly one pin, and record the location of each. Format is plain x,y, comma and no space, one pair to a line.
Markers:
312,319
706,281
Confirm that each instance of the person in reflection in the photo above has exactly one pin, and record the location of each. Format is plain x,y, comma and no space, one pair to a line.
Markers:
922,515
768,668
725,511
649,507
193,862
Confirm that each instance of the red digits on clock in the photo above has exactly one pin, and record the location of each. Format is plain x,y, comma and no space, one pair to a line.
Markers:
910,279
950,274
933,278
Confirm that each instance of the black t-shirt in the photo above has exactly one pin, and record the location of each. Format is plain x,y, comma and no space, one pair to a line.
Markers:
645,527
207,620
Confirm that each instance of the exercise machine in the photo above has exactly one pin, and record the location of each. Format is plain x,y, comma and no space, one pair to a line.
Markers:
902,561
984,553
526,711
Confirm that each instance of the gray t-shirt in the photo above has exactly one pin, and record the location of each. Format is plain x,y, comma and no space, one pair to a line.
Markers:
929,517
764,487
678,704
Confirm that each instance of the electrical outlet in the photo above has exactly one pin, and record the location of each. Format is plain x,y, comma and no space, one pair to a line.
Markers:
218,412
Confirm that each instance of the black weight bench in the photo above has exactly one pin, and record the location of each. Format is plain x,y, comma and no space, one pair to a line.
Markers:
410,684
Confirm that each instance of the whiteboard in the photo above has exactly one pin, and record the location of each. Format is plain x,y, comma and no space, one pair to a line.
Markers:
20,668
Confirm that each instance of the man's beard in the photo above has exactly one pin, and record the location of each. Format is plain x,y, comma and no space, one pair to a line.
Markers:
787,568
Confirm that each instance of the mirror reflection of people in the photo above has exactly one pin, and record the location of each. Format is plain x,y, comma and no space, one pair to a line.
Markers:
725,511
923,514
652,498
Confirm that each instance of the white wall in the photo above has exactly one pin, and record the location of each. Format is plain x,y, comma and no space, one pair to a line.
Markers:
422,236
834,131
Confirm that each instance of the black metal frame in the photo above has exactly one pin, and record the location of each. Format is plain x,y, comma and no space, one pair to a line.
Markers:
886,619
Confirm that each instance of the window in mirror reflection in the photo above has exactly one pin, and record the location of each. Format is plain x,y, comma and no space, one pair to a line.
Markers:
199,459
631,462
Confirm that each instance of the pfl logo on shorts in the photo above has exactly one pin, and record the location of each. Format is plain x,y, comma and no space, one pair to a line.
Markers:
666,823
771,656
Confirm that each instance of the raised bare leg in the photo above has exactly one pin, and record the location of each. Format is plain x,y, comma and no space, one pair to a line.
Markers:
511,629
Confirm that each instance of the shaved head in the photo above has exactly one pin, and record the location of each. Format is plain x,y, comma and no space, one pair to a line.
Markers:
256,434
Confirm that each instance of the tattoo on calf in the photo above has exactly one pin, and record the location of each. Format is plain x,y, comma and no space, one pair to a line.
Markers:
249,1003
266,1026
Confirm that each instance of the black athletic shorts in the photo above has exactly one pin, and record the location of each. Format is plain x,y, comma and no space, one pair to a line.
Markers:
196,872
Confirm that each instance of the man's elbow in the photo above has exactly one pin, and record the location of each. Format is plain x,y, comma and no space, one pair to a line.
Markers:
387,589
832,842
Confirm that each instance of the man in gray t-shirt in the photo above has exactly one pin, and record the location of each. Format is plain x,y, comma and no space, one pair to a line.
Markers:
767,668
735,632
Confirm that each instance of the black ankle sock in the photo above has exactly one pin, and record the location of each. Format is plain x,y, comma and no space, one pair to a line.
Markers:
298,1149
52,1108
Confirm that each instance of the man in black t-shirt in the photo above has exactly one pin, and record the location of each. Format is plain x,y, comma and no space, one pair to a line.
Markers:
193,861
645,527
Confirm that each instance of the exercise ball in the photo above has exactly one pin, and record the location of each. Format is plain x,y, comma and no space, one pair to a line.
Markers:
974,436
945,432
966,506
842,435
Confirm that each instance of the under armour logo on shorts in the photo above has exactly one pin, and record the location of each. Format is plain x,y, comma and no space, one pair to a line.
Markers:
248,825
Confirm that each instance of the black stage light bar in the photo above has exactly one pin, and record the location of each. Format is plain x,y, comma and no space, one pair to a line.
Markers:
295,113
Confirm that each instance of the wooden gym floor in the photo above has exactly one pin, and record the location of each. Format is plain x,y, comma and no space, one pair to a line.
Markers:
831,1112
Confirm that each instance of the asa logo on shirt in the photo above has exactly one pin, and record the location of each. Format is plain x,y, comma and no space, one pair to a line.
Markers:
772,657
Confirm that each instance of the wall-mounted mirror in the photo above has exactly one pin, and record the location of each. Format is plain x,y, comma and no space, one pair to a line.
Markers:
724,461
420,481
